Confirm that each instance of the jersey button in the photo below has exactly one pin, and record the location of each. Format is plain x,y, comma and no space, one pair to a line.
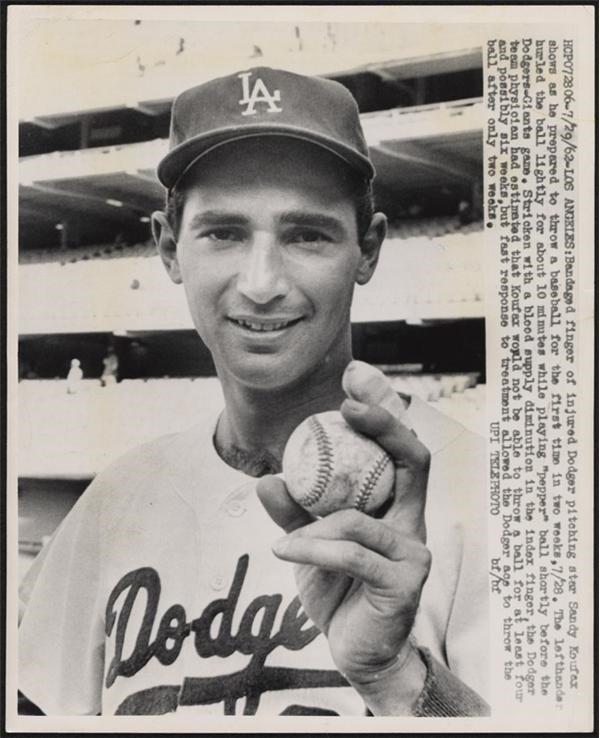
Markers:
235,509
217,582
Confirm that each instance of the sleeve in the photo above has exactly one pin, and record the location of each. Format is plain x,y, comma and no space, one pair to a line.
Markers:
61,636
444,695
467,635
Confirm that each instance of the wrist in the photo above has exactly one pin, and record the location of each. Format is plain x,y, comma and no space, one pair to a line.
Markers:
393,688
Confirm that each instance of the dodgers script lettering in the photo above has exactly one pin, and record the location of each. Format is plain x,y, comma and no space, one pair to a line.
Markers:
254,637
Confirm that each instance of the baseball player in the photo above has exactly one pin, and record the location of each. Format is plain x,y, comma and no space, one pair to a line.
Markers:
176,583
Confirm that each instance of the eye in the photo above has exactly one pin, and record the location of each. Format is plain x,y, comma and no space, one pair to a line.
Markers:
223,235
308,237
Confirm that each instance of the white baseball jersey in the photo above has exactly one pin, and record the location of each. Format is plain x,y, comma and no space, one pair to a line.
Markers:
159,592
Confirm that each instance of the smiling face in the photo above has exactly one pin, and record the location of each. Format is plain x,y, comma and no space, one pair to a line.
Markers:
268,253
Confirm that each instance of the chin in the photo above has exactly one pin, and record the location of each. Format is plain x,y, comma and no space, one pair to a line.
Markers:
267,373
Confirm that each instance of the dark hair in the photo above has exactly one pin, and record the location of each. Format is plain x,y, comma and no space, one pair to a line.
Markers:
361,192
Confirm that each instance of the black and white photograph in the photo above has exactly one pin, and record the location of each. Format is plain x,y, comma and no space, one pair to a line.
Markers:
300,368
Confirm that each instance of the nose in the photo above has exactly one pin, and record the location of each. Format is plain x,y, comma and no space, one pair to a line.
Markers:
262,277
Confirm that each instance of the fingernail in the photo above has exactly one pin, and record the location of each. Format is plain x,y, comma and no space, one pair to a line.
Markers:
356,407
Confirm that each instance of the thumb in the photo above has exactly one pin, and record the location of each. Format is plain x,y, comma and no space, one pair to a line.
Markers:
369,385
282,509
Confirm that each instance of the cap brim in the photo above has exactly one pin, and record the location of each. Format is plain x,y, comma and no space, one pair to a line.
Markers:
180,159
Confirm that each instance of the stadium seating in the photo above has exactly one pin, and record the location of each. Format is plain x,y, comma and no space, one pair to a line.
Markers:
133,292
430,227
86,253
100,423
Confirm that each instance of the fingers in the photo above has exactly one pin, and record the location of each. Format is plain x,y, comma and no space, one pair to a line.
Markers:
392,435
367,384
344,557
351,543
411,458
283,510
351,525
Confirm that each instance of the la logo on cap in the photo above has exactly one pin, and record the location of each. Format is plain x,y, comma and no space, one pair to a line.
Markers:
259,94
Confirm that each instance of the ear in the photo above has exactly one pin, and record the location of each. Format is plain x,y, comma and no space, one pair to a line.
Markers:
370,247
166,244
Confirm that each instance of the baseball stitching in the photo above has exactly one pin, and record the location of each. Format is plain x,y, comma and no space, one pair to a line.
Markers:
324,462
370,482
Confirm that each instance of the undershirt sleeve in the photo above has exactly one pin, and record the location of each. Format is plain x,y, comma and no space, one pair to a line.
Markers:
444,695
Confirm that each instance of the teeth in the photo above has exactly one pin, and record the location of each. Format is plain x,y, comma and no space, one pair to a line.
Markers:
264,327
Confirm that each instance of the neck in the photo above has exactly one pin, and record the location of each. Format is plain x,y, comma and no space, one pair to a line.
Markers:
256,423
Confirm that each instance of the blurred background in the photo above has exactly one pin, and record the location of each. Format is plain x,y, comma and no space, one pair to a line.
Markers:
107,355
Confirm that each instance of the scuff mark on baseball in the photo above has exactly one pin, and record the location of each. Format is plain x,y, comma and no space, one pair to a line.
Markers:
327,466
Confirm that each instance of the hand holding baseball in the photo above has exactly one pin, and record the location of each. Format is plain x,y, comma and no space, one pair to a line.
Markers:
360,578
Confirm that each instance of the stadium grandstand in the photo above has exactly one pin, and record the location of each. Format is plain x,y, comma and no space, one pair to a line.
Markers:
91,284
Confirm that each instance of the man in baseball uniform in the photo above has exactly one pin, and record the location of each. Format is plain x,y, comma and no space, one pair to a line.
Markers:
179,584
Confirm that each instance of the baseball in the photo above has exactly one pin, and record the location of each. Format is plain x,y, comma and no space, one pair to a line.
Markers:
327,466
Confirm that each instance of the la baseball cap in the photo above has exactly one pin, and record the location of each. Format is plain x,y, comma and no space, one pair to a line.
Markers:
263,102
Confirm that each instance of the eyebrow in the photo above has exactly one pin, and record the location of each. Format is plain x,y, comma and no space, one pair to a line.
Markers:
289,217
315,220
217,217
